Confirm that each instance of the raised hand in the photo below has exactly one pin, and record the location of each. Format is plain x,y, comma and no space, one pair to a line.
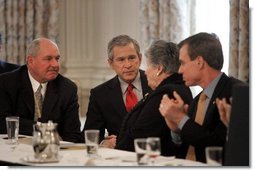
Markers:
224,109
173,110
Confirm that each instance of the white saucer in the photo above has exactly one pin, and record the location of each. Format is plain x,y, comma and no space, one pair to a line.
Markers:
31,159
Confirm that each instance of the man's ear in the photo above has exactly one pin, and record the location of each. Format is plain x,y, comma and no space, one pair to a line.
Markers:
140,57
29,60
200,61
110,61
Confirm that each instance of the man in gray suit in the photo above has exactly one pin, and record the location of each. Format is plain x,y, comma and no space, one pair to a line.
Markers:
106,108
59,94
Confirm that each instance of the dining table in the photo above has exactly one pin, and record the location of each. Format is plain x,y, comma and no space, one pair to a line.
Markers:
74,154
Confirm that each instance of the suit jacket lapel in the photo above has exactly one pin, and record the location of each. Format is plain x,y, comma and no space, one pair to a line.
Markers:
28,97
218,89
145,88
116,93
50,99
26,92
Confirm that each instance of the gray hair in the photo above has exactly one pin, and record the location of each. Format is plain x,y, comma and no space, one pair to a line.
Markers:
206,45
33,48
164,53
122,40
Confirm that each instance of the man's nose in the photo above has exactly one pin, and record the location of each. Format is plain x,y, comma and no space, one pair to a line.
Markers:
127,62
180,70
54,62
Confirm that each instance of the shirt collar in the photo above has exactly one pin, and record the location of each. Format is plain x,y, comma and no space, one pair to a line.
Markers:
210,89
36,84
136,83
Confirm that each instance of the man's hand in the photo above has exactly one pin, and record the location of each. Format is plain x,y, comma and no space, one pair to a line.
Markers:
109,141
173,110
224,109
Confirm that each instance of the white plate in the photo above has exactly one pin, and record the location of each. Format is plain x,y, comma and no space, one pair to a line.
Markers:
123,158
72,146
66,143
31,159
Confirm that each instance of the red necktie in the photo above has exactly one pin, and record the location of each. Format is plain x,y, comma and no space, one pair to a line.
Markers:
131,98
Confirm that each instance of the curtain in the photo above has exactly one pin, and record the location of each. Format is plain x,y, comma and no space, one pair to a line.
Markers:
170,20
21,21
239,39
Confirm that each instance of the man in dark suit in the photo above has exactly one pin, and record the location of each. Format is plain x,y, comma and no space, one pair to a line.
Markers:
236,118
201,60
106,108
59,94
7,67
145,119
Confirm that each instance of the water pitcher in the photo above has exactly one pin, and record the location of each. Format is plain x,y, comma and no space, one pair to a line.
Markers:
45,141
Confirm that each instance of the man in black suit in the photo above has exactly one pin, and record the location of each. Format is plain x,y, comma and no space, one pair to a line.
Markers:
7,67
106,108
201,61
145,119
59,94
235,116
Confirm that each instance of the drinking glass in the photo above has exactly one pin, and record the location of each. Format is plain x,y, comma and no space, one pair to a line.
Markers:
12,126
92,142
214,156
153,149
140,149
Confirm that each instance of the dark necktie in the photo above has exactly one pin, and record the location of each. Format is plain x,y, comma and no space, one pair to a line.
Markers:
38,103
131,98
200,115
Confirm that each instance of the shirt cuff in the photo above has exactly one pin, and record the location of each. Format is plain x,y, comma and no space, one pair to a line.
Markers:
176,138
183,121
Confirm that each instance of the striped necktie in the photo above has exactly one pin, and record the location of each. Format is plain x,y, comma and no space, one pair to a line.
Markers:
38,103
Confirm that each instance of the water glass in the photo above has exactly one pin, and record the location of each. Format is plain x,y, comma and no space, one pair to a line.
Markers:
140,149
92,142
12,126
213,156
153,149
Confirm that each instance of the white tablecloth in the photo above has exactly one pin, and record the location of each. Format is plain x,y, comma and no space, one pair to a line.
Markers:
78,157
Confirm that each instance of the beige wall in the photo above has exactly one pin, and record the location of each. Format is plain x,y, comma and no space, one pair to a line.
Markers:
86,26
